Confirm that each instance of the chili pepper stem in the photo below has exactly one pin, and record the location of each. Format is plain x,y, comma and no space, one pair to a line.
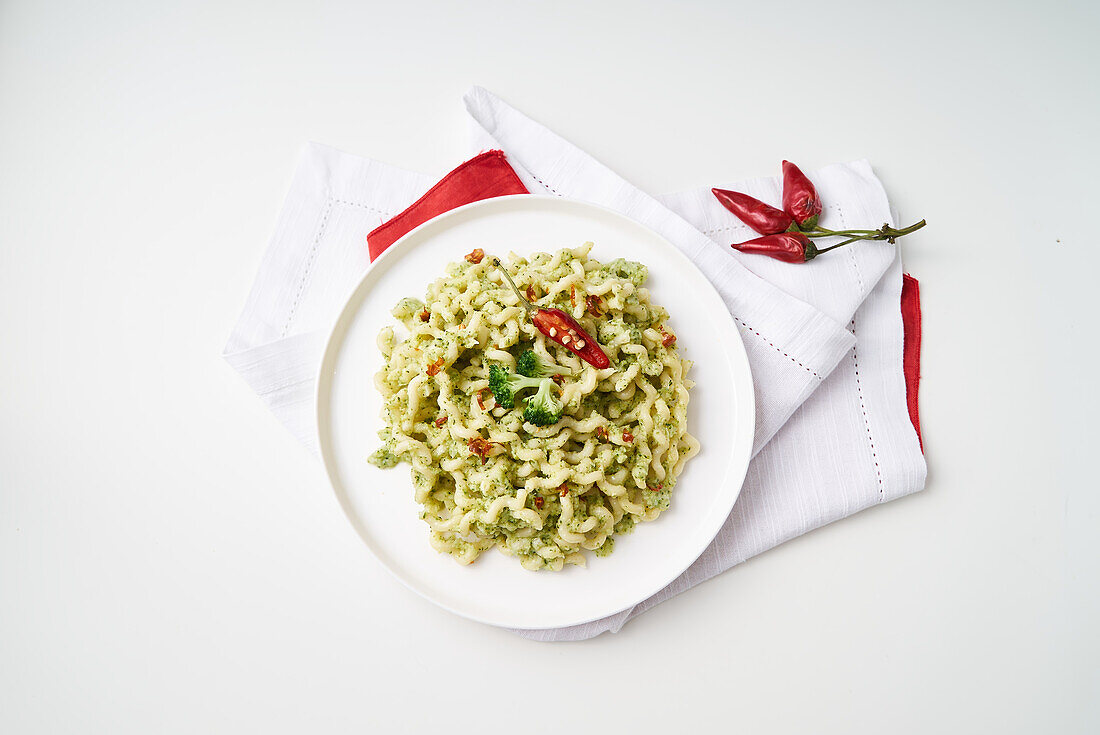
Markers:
822,232
838,245
522,299
911,228
889,234
885,232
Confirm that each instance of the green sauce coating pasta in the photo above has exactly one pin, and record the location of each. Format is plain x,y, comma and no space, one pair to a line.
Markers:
486,478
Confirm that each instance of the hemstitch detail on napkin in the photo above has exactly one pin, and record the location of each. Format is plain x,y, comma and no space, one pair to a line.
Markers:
364,206
715,230
851,251
312,257
309,263
866,420
552,189
796,362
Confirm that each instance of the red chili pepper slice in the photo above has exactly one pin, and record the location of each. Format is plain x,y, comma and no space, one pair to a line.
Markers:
562,328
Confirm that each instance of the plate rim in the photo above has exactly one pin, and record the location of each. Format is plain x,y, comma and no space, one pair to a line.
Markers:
322,387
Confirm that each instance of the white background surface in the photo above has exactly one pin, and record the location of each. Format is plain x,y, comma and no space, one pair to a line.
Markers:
170,560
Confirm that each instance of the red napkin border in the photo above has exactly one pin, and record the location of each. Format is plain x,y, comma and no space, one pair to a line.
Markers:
484,176
910,355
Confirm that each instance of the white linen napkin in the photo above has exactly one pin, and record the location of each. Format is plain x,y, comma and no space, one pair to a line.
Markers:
833,431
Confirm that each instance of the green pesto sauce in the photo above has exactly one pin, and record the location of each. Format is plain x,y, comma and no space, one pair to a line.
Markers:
460,350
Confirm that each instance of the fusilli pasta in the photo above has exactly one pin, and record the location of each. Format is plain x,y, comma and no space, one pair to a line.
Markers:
485,477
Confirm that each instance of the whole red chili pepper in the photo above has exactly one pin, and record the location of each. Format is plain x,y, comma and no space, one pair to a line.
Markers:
562,328
790,247
764,218
800,199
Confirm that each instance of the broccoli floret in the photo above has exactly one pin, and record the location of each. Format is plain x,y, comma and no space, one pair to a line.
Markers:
384,458
636,273
532,366
505,385
407,307
543,408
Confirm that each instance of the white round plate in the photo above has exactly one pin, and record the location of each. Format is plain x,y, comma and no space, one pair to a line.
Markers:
496,589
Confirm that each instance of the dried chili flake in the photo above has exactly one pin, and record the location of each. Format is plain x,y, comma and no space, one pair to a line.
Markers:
475,256
594,305
480,400
669,339
601,433
628,437
480,447
539,502
572,294
558,378
530,292
440,421
563,489
655,489
435,366
424,315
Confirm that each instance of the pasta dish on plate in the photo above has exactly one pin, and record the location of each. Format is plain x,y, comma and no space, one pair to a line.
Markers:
541,403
